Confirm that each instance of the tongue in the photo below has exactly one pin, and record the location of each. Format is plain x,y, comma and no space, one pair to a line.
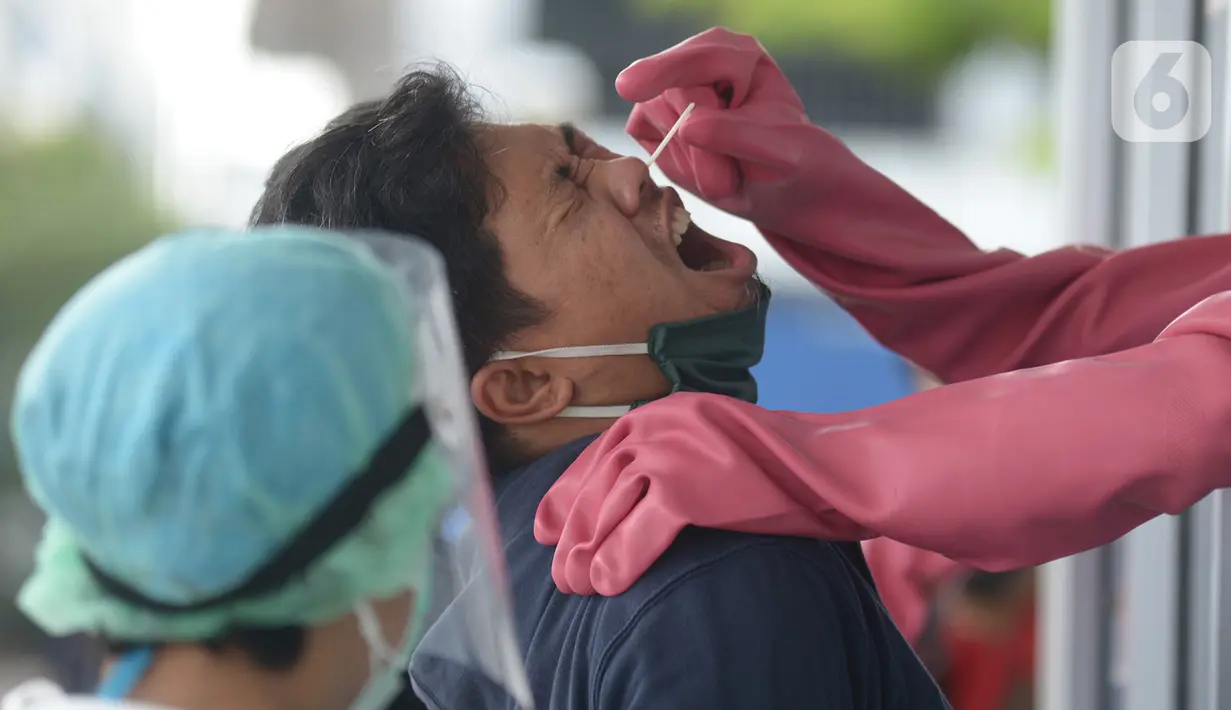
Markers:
699,254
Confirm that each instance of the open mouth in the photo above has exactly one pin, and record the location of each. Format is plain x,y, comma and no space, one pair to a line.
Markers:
698,251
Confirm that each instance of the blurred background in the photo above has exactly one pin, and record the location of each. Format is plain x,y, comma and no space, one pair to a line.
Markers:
123,118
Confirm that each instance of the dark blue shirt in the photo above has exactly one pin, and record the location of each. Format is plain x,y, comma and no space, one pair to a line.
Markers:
723,621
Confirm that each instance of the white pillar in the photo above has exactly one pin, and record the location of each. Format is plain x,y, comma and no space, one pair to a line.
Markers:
1075,618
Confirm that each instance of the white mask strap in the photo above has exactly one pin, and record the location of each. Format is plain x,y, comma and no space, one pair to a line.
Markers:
379,651
596,412
577,351
584,412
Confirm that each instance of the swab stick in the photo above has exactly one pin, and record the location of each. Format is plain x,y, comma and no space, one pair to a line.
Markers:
670,134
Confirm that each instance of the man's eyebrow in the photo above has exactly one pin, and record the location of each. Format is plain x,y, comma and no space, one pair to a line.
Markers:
569,132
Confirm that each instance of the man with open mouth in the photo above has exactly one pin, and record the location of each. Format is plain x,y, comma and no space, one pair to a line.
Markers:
583,289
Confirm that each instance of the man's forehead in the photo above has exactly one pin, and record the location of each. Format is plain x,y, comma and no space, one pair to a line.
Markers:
540,137
524,158
522,150
525,136
527,152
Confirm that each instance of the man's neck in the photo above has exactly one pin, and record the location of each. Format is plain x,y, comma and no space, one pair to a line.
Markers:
541,439
193,678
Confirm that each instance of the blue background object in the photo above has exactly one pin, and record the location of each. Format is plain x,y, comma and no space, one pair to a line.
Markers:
819,359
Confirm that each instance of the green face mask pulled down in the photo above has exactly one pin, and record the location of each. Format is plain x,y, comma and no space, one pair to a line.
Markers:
714,355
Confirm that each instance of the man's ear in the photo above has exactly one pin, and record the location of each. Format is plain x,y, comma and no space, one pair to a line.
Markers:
514,392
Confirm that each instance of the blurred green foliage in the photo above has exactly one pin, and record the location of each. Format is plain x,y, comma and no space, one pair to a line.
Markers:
68,207
920,38
1037,149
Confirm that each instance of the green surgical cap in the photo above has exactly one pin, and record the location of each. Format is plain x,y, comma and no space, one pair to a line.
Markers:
192,407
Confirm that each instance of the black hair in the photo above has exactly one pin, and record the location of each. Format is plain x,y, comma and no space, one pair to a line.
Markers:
270,648
413,163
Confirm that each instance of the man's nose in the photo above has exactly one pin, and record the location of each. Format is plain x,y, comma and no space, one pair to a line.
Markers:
627,180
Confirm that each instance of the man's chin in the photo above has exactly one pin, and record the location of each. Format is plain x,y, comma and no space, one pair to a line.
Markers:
742,295
755,290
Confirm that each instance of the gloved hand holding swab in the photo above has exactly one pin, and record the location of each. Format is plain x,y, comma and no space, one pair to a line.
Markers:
670,134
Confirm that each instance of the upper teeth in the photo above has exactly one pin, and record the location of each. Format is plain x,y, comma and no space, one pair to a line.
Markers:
680,219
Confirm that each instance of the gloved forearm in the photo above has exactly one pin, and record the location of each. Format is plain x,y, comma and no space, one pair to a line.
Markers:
1026,467
1001,473
925,291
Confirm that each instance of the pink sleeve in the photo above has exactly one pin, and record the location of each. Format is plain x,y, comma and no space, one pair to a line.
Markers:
926,292
1000,473
1029,466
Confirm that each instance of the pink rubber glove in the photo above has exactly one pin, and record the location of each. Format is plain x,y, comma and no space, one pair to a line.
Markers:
732,80
913,280
1004,472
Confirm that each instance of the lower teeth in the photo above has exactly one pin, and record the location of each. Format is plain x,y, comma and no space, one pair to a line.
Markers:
714,266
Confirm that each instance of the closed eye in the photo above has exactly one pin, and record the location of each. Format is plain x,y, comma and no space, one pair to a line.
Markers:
569,133
574,170
583,146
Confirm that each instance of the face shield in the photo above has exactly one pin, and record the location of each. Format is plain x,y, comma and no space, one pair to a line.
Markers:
464,622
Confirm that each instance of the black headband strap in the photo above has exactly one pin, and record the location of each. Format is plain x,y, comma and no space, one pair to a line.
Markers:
389,465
